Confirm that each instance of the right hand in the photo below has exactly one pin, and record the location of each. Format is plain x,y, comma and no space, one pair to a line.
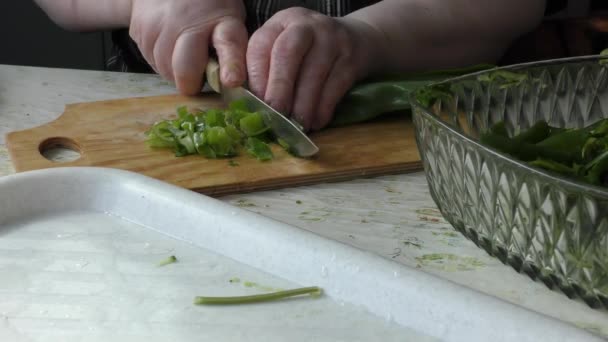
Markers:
174,38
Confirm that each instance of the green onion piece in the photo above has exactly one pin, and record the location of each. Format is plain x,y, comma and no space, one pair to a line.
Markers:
170,260
182,111
233,163
160,136
259,149
234,117
233,132
219,140
314,292
215,118
239,105
253,124
188,143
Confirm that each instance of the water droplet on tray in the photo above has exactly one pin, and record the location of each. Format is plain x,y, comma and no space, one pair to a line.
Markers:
396,274
324,271
389,318
82,264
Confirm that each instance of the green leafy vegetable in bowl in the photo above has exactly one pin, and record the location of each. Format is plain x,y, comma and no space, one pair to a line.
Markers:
580,154
214,133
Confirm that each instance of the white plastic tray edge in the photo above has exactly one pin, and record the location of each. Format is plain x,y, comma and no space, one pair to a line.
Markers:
408,296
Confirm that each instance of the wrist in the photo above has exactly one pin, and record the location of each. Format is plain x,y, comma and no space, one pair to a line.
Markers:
370,45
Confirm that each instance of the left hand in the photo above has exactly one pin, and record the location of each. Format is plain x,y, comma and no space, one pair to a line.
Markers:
302,62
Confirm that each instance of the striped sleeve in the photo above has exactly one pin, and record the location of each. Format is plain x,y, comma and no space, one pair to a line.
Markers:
259,11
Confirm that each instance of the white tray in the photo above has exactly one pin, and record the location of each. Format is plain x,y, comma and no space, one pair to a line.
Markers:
78,255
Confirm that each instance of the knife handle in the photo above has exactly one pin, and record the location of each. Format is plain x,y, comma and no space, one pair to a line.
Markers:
212,73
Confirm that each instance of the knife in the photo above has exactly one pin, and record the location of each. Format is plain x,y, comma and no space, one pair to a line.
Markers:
285,129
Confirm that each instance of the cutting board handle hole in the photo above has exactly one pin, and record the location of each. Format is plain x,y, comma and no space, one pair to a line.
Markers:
60,149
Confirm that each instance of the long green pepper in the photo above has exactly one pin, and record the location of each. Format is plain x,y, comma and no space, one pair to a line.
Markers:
374,97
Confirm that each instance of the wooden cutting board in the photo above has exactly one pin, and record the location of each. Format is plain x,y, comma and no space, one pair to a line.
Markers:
111,134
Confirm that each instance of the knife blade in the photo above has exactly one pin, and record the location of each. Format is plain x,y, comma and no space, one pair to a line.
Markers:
285,129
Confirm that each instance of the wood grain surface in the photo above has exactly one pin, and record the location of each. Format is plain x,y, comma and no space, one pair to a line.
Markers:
112,134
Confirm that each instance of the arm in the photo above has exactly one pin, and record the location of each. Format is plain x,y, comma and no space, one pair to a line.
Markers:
173,35
88,15
303,63
425,34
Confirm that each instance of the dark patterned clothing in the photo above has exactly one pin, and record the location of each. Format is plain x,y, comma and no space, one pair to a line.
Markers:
126,57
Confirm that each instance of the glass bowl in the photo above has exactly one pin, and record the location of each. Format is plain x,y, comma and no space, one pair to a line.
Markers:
550,227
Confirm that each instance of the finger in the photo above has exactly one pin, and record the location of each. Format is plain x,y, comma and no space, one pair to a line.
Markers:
189,61
340,80
286,58
163,54
229,38
258,56
313,75
145,38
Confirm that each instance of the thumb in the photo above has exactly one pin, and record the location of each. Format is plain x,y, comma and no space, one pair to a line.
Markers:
189,61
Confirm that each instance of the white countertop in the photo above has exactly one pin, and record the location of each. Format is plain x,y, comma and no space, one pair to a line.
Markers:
393,216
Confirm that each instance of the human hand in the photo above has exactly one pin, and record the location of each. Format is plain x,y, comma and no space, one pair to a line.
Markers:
302,63
174,38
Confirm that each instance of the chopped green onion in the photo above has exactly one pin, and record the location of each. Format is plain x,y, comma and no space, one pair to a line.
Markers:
220,141
253,124
170,260
214,133
215,118
239,105
259,149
